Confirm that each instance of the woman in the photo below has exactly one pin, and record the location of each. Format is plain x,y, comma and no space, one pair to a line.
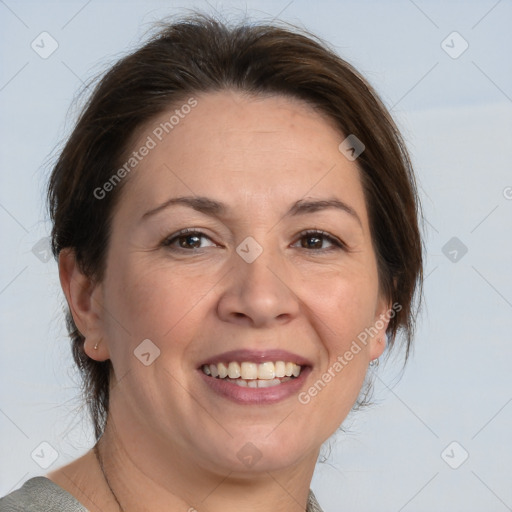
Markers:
235,223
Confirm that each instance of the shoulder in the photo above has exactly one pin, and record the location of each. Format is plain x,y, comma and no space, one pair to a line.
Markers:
313,505
40,494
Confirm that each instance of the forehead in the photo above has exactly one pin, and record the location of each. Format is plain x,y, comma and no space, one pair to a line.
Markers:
241,150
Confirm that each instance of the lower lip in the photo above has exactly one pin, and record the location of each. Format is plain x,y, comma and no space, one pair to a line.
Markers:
253,396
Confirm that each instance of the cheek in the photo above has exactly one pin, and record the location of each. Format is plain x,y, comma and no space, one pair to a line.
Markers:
154,301
344,304
343,311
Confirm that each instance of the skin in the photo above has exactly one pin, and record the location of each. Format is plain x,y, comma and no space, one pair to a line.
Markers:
171,443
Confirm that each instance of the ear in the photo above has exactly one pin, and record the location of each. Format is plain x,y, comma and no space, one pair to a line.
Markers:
383,314
85,301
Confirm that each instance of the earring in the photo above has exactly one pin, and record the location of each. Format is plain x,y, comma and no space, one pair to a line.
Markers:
374,363
96,346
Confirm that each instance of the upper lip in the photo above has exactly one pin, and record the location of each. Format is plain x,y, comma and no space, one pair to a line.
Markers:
257,356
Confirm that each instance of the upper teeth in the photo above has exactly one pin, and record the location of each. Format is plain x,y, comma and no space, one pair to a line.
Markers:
246,370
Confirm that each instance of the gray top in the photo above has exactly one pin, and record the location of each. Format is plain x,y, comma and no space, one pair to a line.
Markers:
40,494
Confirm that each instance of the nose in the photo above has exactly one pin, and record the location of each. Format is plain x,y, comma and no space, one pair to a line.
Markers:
258,294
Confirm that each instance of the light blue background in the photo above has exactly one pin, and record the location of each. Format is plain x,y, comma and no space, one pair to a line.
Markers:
455,115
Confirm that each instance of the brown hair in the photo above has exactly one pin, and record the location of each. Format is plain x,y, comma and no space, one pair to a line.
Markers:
200,54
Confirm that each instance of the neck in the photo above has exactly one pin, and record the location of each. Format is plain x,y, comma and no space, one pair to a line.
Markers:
142,475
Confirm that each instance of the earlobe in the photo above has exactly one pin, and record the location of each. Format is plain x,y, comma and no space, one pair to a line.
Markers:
382,318
378,349
96,349
83,303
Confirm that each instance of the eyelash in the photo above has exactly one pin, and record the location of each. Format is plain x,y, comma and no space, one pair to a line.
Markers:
336,243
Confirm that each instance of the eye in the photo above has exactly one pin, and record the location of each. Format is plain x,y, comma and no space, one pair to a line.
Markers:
314,239
191,239
187,239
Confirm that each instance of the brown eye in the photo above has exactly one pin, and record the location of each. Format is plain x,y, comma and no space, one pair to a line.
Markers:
315,240
312,241
187,240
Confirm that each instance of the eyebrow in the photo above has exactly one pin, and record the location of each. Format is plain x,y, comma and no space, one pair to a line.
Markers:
217,209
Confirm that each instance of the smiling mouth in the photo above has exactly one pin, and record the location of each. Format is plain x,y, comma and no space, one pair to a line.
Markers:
253,375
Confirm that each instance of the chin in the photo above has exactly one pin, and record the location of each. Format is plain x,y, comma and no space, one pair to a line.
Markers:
246,454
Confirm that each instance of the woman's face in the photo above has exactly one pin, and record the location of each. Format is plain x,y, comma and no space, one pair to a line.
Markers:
253,281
